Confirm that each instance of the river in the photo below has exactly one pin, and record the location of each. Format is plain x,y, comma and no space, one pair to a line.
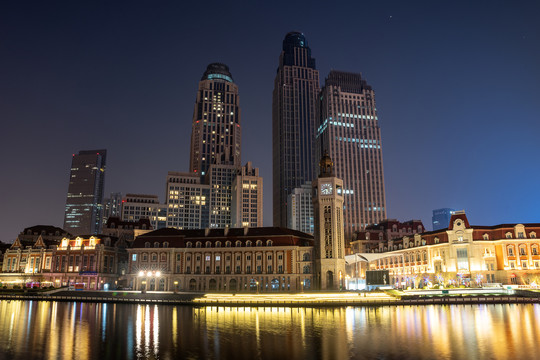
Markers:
74,330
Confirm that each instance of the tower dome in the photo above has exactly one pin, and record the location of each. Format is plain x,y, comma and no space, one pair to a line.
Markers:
326,166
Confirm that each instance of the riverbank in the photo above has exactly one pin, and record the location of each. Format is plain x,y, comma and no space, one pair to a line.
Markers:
337,299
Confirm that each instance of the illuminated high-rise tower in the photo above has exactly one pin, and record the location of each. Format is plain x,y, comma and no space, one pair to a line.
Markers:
216,133
84,204
294,104
349,130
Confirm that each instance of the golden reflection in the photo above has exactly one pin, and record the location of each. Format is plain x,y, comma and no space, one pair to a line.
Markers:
138,330
156,331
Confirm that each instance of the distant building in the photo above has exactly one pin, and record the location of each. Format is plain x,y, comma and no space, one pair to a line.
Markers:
187,201
348,128
220,178
84,204
441,218
126,230
300,209
384,231
294,107
139,206
112,206
247,197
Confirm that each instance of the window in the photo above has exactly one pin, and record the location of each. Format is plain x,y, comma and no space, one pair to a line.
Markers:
189,244
156,244
133,257
508,235
258,243
522,251
524,264
534,250
520,235
248,243
147,244
165,244
268,242
510,251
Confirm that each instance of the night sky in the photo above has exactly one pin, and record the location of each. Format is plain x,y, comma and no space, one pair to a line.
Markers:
457,85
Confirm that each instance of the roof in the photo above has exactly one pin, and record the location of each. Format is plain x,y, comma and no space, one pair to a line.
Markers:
179,238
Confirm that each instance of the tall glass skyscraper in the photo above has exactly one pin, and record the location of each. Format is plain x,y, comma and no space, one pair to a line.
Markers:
216,133
84,204
348,129
294,104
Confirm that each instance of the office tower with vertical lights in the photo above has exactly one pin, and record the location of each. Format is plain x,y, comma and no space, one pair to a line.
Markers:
84,204
349,130
216,133
294,105
247,197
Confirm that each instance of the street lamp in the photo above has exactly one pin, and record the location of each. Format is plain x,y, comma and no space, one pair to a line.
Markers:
257,283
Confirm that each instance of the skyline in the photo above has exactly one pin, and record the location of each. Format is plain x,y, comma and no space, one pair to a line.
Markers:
471,67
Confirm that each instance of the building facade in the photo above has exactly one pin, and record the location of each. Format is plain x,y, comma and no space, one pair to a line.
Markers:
300,209
247,197
84,204
348,128
462,255
126,231
92,262
138,206
294,106
231,259
216,133
329,236
441,218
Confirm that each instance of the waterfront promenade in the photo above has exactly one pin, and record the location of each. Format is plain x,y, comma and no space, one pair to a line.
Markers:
311,299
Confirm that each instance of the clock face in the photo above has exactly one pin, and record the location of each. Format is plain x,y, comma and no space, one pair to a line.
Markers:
326,189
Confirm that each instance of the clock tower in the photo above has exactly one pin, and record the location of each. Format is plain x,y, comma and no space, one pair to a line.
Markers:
329,233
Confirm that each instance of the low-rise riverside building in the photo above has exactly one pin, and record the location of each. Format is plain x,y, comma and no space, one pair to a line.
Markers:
91,262
230,259
463,254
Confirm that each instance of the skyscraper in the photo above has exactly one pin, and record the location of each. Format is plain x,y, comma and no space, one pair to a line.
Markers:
349,130
300,209
294,104
216,133
83,214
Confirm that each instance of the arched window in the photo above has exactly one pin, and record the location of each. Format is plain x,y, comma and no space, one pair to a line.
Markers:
534,249
198,244
189,244
227,244
163,257
258,243
238,243
156,244
147,244
510,250
218,243
154,257
268,242
509,235
165,244
248,243
208,244
306,269
532,235
144,257
306,257
485,236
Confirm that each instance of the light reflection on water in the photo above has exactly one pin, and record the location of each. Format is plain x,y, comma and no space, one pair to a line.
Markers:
51,330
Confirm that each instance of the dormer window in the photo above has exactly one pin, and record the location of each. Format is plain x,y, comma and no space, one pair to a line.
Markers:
147,244
156,244
508,235
189,244
268,242
520,235
532,235
165,244
248,243
227,244
258,243
238,244
208,244
485,236
198,244
218,243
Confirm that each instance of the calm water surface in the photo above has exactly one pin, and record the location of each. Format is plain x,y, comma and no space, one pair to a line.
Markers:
56,330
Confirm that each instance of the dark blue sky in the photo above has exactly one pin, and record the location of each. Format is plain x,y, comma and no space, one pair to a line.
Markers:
457,87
